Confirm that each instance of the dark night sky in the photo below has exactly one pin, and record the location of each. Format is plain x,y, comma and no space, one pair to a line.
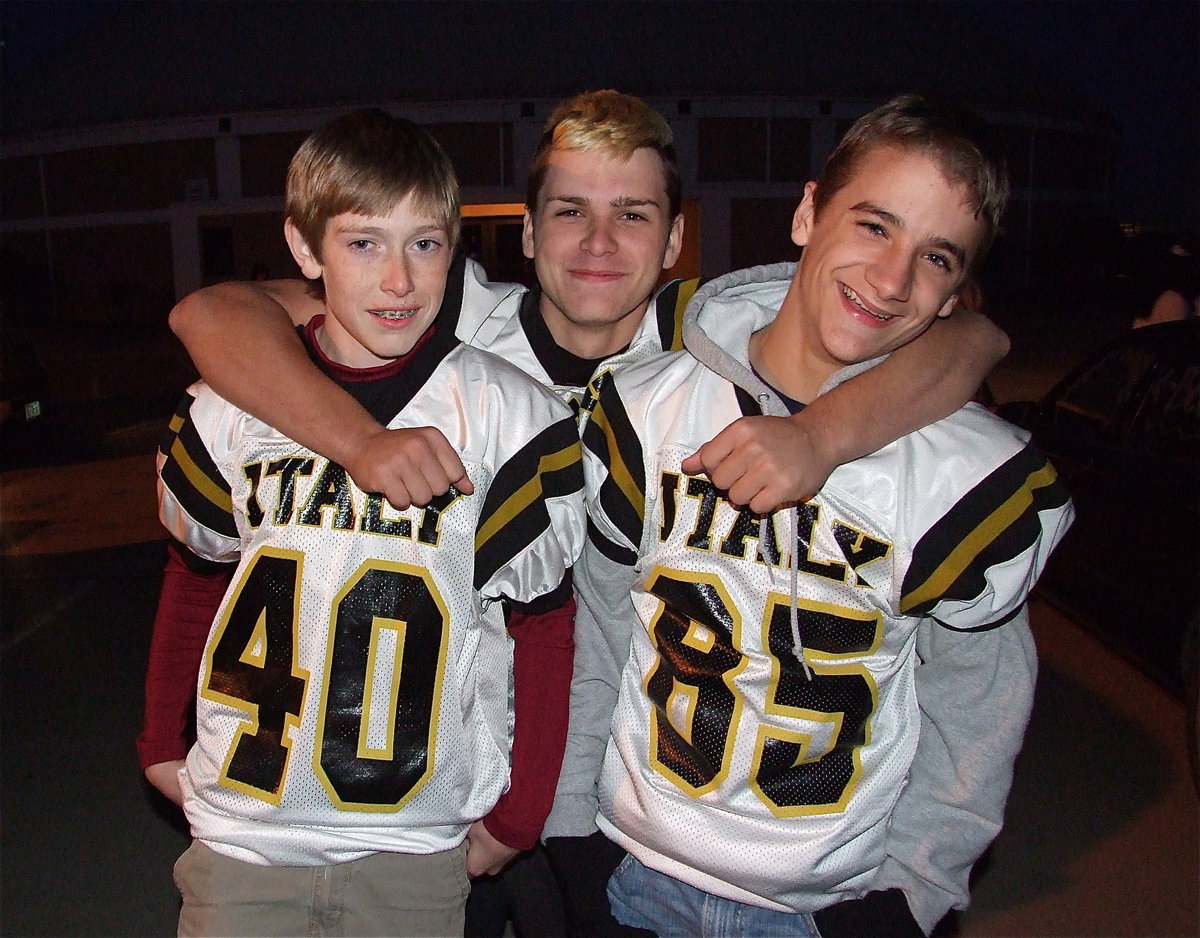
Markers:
1138,60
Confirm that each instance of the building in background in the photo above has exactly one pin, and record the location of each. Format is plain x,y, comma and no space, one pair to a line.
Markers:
146,157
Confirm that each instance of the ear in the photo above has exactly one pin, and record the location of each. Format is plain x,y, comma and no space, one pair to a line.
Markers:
527,234
948,307
303,255
802,220
674,242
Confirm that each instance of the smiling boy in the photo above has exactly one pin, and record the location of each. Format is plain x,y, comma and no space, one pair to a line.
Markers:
352,714
603,220
819,713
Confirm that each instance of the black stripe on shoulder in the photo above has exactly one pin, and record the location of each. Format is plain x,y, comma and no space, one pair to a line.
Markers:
193,478
987,626
177,420
610,436
514,513
614,552
547,602
994,522
669,304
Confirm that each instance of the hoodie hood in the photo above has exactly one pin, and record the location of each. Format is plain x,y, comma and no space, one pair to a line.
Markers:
725,312
722,316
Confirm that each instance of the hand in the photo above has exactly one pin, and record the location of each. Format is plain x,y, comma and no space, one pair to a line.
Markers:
165,777
485,854
763,463
408,466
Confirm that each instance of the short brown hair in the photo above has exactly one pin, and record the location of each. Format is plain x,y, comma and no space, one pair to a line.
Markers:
367,161
959,140
611,123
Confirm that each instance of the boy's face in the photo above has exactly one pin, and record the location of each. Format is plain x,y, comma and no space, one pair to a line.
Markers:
599,237
886,257
384,279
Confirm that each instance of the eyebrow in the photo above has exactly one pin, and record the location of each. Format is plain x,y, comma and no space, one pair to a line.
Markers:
375,230
621,201
945,244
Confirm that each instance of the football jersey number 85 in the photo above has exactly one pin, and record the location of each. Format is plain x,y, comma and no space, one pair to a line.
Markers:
253,666
698,704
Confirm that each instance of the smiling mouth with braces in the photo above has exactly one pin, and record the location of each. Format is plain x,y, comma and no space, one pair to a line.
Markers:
393,314
853,298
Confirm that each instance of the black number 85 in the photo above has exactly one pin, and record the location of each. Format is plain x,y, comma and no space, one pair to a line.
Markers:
696,632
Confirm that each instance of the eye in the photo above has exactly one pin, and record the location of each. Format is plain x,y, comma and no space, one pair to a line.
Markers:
941,261
361,244
872,227
633,216
425,245
568,212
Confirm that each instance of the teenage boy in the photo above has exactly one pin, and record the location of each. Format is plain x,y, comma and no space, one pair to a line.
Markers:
820,707
352,710
603,220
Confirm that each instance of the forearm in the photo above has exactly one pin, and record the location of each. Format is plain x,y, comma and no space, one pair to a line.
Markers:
975,692
918,384
543,653
244,345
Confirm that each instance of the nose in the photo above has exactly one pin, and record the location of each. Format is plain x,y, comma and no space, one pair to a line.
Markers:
598,240
890,273
395,278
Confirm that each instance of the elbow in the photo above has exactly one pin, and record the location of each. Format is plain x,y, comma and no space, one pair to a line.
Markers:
993,342
183,318
1001,344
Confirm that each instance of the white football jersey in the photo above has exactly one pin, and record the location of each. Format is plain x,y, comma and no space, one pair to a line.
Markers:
731,768
354,692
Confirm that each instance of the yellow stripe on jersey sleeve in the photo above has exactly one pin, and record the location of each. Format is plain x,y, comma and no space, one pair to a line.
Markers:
197,479
988,531
618,470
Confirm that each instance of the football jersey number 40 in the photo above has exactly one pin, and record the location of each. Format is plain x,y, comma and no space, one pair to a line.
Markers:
253,666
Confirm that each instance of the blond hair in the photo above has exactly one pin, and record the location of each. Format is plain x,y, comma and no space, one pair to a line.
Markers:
612,124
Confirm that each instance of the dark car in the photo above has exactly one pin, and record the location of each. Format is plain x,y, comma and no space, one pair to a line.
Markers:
1123,430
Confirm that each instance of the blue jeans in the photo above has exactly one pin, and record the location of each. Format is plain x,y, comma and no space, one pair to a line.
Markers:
645,898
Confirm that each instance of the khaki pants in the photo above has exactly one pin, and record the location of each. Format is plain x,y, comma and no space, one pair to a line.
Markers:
385,894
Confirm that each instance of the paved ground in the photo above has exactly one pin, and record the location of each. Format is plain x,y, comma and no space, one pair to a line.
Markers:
1101,838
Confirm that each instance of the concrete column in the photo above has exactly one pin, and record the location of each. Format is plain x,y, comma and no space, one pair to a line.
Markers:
715,253
185,248
229,167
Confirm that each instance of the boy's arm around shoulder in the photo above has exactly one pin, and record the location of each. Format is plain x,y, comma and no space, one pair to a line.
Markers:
243,342
767,462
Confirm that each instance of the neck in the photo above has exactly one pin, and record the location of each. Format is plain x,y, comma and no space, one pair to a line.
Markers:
591,340
777,352
339,347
